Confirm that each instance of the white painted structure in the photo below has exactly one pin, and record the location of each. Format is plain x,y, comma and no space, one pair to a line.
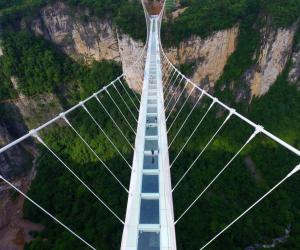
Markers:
149,220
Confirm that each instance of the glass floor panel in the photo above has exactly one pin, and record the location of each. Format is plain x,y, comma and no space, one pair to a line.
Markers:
152,101
151,145
152,110
149,213
151,131
151,119
149,241
150,162
150,184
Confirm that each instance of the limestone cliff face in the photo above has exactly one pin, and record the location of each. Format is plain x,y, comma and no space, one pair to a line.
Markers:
130,52
14,161
21,115
210,55
11,160
273,55
294,74
87,38
37,109
80,36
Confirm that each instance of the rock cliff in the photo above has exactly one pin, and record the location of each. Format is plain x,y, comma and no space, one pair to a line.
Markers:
210,55
294,74
275,50
86,38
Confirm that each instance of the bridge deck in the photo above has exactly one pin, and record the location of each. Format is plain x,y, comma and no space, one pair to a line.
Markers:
149,220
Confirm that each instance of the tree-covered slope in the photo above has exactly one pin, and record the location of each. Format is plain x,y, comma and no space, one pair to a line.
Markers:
206,16
260,166
128,16
263,162
41,69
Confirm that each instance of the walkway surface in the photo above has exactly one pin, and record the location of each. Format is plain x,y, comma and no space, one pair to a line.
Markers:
149,219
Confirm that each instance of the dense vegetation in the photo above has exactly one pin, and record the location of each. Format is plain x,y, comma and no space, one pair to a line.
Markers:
69,200
41,69
206,16
260,166
127,15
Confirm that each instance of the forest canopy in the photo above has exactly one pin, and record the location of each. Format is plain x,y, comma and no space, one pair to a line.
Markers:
127,15
202,17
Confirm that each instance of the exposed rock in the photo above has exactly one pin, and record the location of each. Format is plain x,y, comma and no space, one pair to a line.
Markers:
274,53
87,40
210,54
275,242
14,81
175,14
250,165
15,165
130,52
39,109
14,161
94,39
14,230
294,74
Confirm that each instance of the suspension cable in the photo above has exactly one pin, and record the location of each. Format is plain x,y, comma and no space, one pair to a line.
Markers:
181,93
294,171
77,177
240,116
165,80
46,212
134,93
174,94
169,85
257,130
164,68
120,111
56,118
170,90
169,80
140,85
182,106
195,129
126,105
186,119
168,69
114,122
94,153
202,151
128,95
106,135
